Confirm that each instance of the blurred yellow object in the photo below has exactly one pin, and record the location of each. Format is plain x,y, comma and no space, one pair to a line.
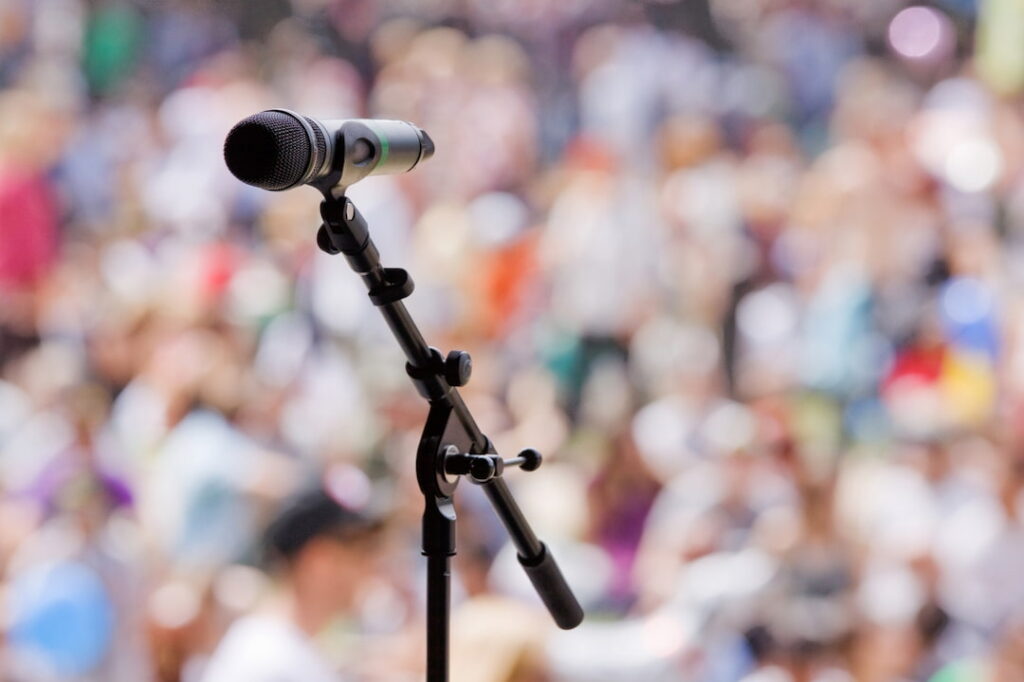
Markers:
1000,45
969,388
496,639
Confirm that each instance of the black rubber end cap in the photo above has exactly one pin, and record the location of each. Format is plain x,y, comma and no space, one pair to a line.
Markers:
556,594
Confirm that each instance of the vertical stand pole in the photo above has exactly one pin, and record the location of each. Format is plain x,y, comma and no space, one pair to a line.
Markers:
439,596
438,534
439,547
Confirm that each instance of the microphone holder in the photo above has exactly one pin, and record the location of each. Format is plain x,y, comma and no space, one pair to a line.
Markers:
452,445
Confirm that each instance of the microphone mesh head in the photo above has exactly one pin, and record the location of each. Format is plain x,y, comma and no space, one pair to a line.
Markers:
271,150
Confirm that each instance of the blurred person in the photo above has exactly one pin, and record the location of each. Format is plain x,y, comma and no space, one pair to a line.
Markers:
1004,662
183,625
29,215
29,209
80,574
322,554
620,497
765,657
807,609
203,480
931,625
979,585
495,638
714,506
599,244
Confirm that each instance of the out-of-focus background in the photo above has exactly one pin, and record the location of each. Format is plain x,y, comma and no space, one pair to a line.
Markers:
747,272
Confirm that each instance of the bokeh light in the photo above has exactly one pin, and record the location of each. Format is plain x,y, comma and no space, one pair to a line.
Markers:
973,164
921,33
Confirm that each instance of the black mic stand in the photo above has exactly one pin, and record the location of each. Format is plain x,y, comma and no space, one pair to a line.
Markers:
449,447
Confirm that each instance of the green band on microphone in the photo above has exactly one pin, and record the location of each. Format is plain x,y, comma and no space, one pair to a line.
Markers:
385,146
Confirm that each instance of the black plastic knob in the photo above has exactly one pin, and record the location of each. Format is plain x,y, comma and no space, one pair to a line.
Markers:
531,459
484,468
458,367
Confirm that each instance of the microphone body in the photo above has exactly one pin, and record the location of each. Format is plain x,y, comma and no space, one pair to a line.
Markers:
279,149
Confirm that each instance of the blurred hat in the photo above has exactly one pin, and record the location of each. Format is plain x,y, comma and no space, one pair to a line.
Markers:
314,513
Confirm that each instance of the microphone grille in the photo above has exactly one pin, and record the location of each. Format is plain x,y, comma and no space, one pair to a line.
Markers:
271,150
318,133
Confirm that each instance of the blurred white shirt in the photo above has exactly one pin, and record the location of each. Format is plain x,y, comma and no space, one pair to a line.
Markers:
267,649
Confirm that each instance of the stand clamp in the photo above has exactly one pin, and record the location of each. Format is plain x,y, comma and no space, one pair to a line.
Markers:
482,468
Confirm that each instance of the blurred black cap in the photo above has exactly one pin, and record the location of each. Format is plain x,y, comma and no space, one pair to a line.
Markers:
311,514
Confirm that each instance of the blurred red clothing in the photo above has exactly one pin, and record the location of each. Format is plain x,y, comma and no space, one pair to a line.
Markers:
28,227
922,362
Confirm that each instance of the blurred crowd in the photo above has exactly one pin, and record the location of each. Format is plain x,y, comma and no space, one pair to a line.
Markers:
747,272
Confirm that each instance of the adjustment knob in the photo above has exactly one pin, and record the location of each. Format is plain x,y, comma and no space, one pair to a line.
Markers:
531,459
458,366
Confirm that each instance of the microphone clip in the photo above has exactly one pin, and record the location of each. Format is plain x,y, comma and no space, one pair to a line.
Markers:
344,230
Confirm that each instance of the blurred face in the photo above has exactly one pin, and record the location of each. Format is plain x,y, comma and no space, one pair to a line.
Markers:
334,570
530,671
1010,660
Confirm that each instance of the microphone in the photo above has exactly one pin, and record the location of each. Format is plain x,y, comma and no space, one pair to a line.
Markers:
279,149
